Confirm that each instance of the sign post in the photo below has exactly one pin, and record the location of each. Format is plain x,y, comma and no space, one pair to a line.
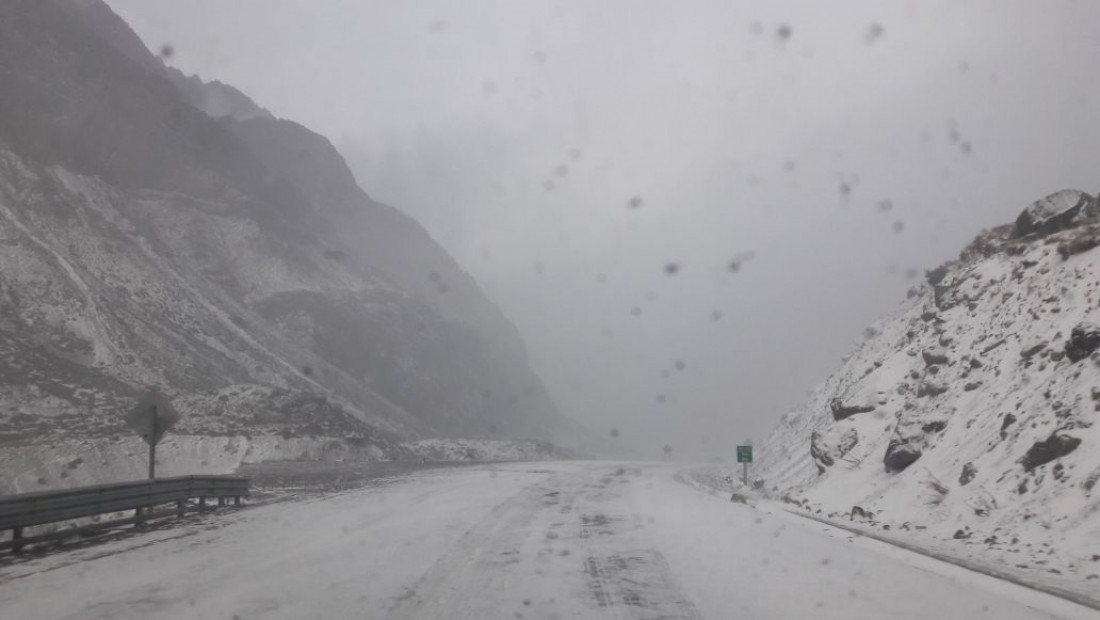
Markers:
151,419
744,456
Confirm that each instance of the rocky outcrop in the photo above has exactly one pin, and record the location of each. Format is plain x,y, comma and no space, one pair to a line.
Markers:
968,377
827,448
1054,213
934,357
899,455
1049,449
841,411
1083,341
969,471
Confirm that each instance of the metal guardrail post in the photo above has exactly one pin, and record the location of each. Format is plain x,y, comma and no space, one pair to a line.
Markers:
181,507
16,536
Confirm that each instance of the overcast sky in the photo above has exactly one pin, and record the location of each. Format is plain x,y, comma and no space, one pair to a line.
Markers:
833,150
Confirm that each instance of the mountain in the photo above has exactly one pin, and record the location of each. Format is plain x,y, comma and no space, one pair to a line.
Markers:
157,230
966,422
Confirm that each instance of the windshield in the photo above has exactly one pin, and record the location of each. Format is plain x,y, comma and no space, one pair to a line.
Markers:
549,309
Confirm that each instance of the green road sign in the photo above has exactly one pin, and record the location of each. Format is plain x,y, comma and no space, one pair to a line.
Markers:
744,454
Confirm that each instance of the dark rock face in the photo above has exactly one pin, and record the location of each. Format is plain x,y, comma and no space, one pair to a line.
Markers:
841,412
861,513
820,453
968,473
1056,212
931,388
935,426
900,455
1083,341
934,357
1045,451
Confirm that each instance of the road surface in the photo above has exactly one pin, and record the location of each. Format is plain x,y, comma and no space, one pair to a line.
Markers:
522,540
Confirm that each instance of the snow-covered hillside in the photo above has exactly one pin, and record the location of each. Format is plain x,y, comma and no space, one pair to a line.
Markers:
966,420
158,230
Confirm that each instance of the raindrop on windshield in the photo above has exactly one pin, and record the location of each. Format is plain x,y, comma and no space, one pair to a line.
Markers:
874,32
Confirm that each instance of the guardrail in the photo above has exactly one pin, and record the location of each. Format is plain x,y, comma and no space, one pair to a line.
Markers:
32,509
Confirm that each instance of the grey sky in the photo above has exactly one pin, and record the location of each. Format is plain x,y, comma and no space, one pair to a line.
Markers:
737,139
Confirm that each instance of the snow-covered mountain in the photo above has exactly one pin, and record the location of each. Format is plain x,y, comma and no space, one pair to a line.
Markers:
966,420
158,230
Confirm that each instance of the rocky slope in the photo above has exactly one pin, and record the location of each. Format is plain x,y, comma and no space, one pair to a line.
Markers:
966,421
157,230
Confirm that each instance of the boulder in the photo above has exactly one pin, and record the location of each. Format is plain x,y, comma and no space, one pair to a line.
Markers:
826,448
900,455
931,388
1045,451
1030,352
842,411
1058,211
1083,341
934,357
968,473
861,513
935,426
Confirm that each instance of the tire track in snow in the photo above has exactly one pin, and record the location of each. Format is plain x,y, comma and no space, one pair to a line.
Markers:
567,546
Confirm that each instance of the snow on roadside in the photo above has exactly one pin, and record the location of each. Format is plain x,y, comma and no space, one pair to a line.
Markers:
965,424
483,450
73,463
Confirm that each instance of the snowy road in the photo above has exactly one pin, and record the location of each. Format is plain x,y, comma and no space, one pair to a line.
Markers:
524,540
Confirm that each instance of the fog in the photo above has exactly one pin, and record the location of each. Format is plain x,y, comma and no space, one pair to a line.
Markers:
691,210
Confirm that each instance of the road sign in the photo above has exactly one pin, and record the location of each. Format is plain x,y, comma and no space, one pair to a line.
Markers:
151,419
744,456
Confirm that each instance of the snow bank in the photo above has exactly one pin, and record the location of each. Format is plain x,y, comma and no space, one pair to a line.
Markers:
483,450
73,463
